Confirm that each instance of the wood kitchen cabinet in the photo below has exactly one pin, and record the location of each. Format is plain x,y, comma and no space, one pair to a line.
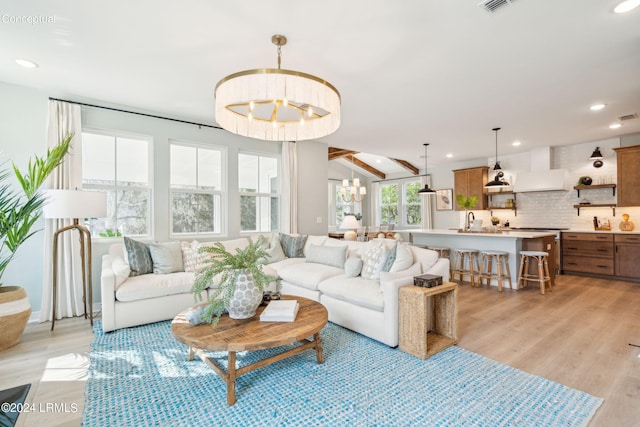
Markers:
628,175
469,182
627,247
588,253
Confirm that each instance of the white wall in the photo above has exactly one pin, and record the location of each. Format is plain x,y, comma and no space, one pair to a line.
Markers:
23,133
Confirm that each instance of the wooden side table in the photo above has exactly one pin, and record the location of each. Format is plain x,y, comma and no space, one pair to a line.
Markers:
418,311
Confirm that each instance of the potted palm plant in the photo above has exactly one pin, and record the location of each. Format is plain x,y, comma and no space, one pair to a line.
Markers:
19,213
241,281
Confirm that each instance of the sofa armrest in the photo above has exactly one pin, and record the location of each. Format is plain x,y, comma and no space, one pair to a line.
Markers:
440,268
108,294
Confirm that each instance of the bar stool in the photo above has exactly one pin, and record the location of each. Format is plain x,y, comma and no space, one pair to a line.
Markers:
501,260
465,261
543,269
442,252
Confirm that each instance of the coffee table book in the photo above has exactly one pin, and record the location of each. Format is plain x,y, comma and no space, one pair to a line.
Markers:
280,311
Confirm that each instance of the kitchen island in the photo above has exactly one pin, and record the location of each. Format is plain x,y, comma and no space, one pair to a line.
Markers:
505,240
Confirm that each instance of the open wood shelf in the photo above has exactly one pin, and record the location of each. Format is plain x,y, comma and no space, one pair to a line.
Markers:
597,205
593,187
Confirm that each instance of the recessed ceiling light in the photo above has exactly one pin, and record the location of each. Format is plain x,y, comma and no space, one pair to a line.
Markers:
597,107
516,143
26,63
615,125
449,155
626,6
378,161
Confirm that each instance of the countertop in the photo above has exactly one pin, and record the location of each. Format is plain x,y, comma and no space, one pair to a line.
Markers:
504,234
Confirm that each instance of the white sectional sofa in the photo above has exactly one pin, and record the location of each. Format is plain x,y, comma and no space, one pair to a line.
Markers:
326,271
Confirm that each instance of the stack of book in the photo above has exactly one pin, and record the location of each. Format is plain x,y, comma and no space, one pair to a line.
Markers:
280,311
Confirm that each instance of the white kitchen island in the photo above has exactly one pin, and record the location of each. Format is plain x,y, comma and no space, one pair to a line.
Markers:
510,241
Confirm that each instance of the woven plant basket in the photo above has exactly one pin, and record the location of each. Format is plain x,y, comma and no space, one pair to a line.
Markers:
14,315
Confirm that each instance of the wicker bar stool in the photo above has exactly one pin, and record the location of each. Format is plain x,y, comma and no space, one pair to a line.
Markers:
501,261
465,261
543,275
442,251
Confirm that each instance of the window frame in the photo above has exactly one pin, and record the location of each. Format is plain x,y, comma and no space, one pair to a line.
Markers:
402,204
222,192
257,194
150,187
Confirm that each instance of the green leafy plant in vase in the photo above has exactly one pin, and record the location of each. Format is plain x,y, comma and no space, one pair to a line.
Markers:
20,211
467,203
239,278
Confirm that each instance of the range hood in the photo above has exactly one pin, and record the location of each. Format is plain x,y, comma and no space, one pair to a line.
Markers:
541,177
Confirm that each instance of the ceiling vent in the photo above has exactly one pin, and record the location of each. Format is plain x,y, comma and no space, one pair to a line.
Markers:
492,5
628,117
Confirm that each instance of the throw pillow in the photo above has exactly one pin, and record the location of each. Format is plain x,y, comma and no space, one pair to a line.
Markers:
274,251
166,257
391,258
404,258
192,258
373,260
334,256
138,256
353,266
293,246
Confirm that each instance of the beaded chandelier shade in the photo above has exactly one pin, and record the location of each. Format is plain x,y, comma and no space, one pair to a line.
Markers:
273,104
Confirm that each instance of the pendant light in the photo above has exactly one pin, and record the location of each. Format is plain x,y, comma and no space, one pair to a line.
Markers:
426,191
497,180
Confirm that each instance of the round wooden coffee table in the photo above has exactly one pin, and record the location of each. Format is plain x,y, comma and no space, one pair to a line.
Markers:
251,334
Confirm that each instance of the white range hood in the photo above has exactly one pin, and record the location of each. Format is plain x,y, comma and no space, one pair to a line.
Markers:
541,177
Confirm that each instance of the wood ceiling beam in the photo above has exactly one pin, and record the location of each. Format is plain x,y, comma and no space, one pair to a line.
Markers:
340,153
366,167
408,166
337,153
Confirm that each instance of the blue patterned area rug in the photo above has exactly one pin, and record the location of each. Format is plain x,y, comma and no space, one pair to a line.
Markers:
140,376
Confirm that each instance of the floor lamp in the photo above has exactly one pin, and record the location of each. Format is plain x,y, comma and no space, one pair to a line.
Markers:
75,204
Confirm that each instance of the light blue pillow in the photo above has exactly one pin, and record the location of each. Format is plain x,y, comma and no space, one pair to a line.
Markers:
391,258
353,266
327,255
166,257
293,246
138,256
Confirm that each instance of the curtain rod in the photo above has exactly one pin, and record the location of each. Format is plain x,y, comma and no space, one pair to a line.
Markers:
135,112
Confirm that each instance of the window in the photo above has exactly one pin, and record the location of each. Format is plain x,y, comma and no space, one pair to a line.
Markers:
340,207
400,204
118,164
196,189
259,186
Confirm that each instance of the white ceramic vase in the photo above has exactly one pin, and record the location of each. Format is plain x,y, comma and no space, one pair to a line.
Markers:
246,299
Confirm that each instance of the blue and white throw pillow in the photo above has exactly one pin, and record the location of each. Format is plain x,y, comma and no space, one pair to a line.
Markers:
138,256
293,246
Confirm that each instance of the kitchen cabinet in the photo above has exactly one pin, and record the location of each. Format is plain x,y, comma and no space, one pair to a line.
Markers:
469,182
588,253
627,247
628,175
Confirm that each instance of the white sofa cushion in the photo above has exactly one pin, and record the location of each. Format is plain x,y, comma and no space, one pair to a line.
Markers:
353,266
414,270
308,275
278,266
314,240
154,285
354,290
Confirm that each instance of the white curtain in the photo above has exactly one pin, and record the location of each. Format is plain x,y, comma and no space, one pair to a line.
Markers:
289,194
374,204
64,118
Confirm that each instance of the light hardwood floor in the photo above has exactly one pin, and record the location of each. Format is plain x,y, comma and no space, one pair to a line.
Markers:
577,335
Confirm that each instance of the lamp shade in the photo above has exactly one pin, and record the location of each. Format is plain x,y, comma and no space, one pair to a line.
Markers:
596,155
349,223
75,204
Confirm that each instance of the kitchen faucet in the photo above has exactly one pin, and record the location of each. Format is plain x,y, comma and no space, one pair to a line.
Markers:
470,217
